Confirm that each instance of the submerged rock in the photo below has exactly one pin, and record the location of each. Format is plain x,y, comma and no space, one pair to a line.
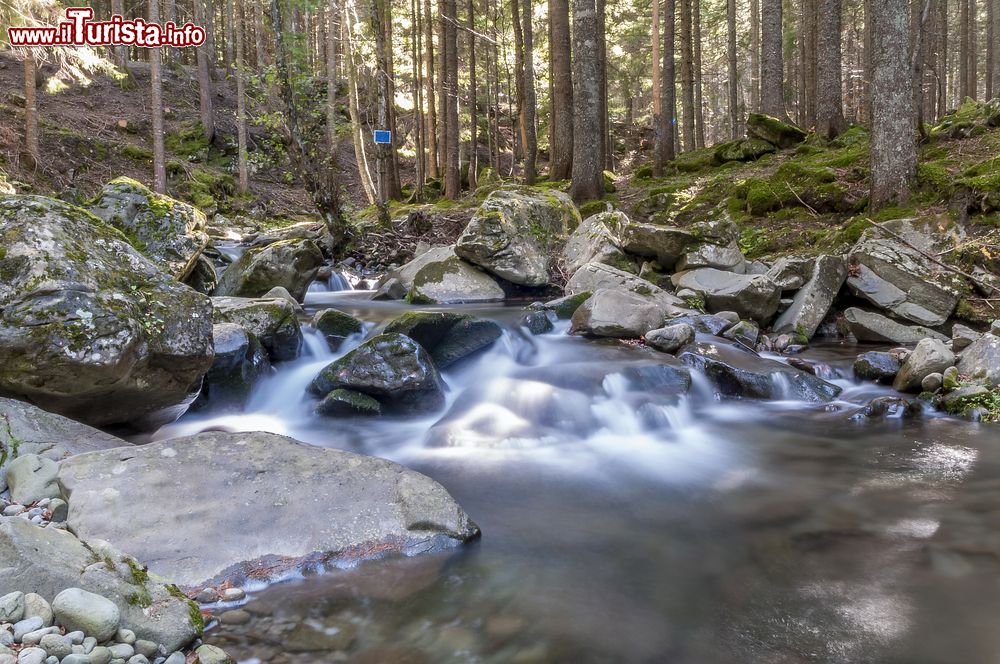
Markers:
169,232
392,368
90,328
336,326
355,506
273,322
291,264
341,402
514,231
448,337
887,408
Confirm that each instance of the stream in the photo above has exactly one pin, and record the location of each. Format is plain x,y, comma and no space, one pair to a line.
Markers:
624,525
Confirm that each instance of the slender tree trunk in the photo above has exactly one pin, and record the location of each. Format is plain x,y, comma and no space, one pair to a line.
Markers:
205,102
386,185
432,128
587,161
209,24
30,108
528,129
942,73
473,98
988,78
156,109
772,96
522,124
419,130
241,103
668,90
965,55
687,76
755,55
973,69
735,121
331,78
657,97
994,47
812,32
893,145
364,174
607,159
699,107
923,9
829,89
452,174
230,33
121,52
561,159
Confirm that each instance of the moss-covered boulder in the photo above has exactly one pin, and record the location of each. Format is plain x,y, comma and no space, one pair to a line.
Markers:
90,328
774,131
594,242
291,264
240,363
746,149
514,232
272,321
391,368
448,337
167,231
452,280
335,326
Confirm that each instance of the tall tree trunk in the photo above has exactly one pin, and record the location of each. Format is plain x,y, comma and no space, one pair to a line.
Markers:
386,185
588,164
205,102
687,76
360,156
994,47
260,52
156,109
607,159
973,69
942,73
734,109
668,115
241,103
528,130
30,108
990,64
419,130
518,33
755,55
965,56
230,34
829,89
922,13
699,107
657,97
432,128
473,98
121,52
561,150
772,96
893,145
812,32
331,78
452,174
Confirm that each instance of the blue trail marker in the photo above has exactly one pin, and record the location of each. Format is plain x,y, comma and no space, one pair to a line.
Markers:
383,137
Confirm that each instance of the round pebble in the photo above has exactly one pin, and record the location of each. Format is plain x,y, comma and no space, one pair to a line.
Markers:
233,594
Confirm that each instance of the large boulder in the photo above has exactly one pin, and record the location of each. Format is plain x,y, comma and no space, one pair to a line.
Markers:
169,232
738,373
665,244
900,280
812,302
448,337
593,277
747,149
874,327
404,275
451,280
317,231
287,505
982,359
791,272
930,356
240,363
392,368
774,131
48,561
721,257
514,232
89,327
620,314
291,264
749,295
594,242
272,321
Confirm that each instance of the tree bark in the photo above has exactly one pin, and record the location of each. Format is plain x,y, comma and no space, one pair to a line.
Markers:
699,106
360,156
965,56
893,145
657,97
772,96
331,78
829,89
156,109
386,182
588,163
687,76
528,130
419,130
668,90
473,98
241,104
120,52
452,179
561,150
734,110
205,102
812,32
432,129
30,108
755,55
973,70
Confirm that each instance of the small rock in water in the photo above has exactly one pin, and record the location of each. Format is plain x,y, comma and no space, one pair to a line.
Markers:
207,596
233,594
671,338
211,655
234,617
932,382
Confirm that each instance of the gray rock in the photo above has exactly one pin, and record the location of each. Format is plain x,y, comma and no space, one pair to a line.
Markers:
146,648
564,307
26,626
728,258
538,322
78,658
872,327
121,651
877,366
665,244
175,658
791,272
281,293
240,363
448,337
737,373
316,231
619,314
930,356
47,434
31,477
77,609
291,264
744,332
124,635
208,654
169,232
887,408
404,275
392,368
812,302
900,280
959,402
594,242
514,232
962,337
356,504
932,382
56,645
593,277
336,326
137,659
91,329
50,561
343,403
670,338
59,509
751,296
273,322
704,323
100,655
452,280
12,607
203,277
31,656
982,359
35,637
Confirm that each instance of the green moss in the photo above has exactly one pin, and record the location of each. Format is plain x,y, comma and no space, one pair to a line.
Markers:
194,613
136,152
188,141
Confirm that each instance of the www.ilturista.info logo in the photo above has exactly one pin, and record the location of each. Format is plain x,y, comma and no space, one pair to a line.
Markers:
79,30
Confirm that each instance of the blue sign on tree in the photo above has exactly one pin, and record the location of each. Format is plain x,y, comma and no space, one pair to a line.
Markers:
383,137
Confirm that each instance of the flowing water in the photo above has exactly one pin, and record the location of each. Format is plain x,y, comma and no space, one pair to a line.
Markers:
622,523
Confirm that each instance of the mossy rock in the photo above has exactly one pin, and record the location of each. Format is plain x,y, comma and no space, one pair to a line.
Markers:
291,264
335,326
747,149
774,131
448,337
341,403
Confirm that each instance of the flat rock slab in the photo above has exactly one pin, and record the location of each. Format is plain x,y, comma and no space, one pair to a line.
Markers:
40,432
222,507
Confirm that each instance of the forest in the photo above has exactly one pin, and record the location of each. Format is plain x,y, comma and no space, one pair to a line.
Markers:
499,331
